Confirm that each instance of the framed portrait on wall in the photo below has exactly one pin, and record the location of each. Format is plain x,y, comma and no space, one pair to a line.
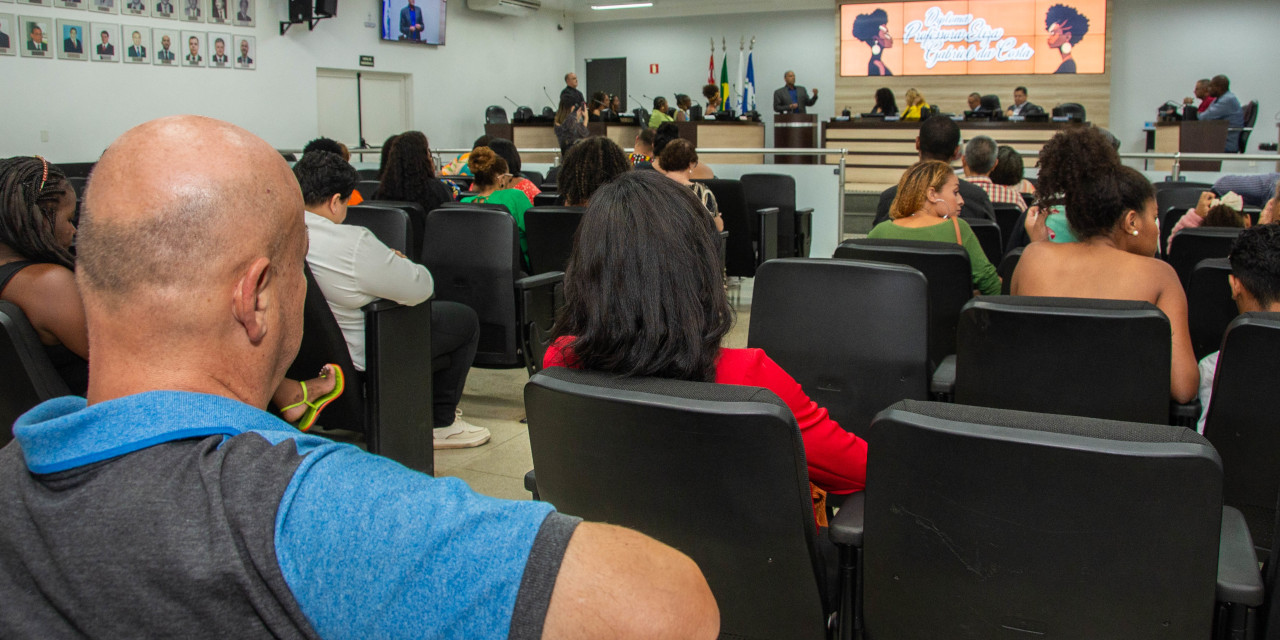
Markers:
193,48
8,35
102,6
37,3
105,38
245,11
134,8
217,12
246,52
165,47
137,44
191,11
69,4
219,50
71,44
35,33
163,9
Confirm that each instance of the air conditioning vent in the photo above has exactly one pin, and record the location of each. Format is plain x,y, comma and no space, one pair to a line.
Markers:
506,7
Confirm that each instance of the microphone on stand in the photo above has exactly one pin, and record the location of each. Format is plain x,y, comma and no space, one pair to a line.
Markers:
553,103
513,102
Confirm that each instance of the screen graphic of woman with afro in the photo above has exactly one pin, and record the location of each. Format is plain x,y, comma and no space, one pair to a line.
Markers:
871,28
1066,28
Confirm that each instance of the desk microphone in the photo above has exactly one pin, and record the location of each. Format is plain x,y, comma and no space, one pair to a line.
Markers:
513,102
633,99
549,100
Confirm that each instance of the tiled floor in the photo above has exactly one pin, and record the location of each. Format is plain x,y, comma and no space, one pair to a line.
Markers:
495,399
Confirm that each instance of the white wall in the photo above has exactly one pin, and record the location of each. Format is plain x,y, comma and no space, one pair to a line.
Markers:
1159,48
85,105
803,41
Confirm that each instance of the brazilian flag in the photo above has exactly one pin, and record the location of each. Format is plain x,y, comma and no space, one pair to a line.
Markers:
725,104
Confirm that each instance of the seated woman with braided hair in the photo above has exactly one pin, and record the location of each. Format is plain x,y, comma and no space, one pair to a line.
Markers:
1111,210
590,164
37,204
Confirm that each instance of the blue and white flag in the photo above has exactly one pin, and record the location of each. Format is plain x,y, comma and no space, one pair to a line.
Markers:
749,86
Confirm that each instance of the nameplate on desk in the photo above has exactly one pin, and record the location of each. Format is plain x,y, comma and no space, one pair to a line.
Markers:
1017,118
1062,118
891,118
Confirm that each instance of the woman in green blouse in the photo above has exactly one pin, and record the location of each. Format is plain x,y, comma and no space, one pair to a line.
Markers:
928,208
490,184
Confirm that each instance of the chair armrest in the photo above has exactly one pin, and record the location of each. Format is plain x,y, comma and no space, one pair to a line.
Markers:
943,382
398,383
531,483
845,529
767,240
1239,581
807,211
1184,415
803,231
541,280
538,302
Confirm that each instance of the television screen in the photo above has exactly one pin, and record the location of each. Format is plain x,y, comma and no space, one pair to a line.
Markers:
418,21
962,37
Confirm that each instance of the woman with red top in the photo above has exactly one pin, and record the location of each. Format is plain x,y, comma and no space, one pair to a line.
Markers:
644,297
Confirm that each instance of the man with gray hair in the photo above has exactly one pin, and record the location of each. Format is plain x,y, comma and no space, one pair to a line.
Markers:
979,161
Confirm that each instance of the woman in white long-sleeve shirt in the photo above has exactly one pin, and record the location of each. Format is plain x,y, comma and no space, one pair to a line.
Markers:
353,268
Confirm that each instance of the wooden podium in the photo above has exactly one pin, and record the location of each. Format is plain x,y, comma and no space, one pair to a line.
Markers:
1191,136
795,131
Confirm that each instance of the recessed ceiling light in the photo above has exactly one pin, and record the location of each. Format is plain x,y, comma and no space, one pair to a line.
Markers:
628,5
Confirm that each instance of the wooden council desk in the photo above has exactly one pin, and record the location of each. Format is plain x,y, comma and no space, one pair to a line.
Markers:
542,135
1191,136
702,133
879,152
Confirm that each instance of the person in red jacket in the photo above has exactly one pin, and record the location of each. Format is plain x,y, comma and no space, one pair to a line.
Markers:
644,296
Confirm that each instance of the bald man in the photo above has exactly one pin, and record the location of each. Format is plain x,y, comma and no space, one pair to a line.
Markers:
169,504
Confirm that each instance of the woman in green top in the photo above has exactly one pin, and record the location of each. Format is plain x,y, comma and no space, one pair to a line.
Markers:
928,208
490,184
659,114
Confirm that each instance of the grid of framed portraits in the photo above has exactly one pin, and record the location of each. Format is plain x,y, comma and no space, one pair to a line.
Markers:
239,13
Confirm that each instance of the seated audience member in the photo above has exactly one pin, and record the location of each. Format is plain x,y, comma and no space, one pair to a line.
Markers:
1255,286
410,174
353,268
644,228
210,518
642,157
927,208
677,162
492,177
570,123
596,106
591,164
1225,107
506,149
939,139
886,105
37,204
979,160
1211,211
1020,106
663,136
659,113
916,105
459,165
385,154
1009,170
1255,190
336,148
1111,210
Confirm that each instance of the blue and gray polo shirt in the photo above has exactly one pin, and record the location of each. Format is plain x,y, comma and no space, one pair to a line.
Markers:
175,514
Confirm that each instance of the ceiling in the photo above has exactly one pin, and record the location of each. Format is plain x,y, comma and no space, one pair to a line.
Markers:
580,10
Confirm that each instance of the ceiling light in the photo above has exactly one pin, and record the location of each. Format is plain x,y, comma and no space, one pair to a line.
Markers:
628,5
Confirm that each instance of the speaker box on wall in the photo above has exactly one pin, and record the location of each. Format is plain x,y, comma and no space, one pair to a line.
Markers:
327,8
299,10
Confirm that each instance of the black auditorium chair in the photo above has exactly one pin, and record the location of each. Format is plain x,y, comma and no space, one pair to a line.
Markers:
462,182
490,206
1241,420
78,184
549,232
1074,356
29,376
1210,307
1029,198
853,333
733,494
390,401
368,188
695,112
1190,246
388,224
552,181
1181,184
987,523
944,265
1008,217
76,169
495,114
474,257
1006,268
534,177
1073,110
1250,112
522,114
417,222
989,236
642,117
1173,203
369,174
795,226
753,233
546,199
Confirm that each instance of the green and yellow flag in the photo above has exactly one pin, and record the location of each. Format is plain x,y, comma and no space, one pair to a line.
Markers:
725,104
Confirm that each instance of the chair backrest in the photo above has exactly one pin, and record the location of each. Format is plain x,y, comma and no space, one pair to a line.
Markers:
368,174
733,495
76,169
741,256
323,343
1073,110
642,117
854,334
495,114
1241,422
534,177
546,199
1210,307
1007,217
983,523
1250,112
695,112
488,206
389,224
552,181
462,182
1182,184
368,188
989,236
1007,266
1172,203
763,190
474,256
29,377
1073,356
522,114
549,232
944,265
1191,246
417,221
1169,218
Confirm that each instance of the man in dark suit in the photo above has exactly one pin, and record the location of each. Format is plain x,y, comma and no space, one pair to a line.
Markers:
791,98
219,53
244,58
71,43
570,90
243,14
1020,105
411,22
35,39
193,45
939,139
164,54
193,10
137,6
105,48
136,50
4,40
164,8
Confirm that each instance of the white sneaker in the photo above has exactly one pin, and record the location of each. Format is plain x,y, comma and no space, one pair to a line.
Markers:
460,435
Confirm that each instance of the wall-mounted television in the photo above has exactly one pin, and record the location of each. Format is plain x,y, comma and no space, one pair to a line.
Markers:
414,21
973,37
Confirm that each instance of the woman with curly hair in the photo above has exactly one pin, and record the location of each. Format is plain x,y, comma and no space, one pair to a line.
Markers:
410,174
591,164
679,161
492,185
1111,209
872,28
1066,28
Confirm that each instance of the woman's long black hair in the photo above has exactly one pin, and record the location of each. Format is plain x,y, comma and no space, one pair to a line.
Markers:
30,191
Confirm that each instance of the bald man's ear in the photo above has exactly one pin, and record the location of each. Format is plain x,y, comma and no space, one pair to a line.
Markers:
252,299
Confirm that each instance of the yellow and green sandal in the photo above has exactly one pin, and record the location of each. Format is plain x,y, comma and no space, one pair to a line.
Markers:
314,408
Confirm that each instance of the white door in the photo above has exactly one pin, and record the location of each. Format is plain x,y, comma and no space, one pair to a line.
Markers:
349,102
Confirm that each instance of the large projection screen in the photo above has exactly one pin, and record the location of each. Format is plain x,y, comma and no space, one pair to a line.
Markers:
974,37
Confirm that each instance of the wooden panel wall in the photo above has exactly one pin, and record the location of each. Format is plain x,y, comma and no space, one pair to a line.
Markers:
950,93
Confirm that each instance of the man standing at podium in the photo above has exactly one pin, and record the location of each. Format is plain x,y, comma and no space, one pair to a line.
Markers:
791,98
